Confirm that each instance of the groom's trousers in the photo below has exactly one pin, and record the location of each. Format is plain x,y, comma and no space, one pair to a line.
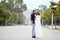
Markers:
33,30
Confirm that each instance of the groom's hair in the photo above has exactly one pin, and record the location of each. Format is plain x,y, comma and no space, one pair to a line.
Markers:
33,10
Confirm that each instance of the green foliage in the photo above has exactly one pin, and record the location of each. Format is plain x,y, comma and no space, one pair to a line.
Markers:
4,16
10,12
20,19
19,1
19,6
23,6
53,3
13,18
46,16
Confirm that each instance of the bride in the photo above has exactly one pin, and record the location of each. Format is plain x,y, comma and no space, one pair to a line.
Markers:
38,28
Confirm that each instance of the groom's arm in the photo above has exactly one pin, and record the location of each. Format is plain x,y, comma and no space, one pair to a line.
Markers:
31,18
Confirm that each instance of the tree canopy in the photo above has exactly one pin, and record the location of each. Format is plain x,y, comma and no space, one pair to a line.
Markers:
56,13
11,11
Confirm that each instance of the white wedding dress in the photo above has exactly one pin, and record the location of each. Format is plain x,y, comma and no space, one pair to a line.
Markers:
38,28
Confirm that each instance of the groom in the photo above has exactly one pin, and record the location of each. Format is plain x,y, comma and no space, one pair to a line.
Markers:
33,23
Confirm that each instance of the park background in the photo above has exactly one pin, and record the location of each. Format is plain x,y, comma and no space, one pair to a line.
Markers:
15,19
18,12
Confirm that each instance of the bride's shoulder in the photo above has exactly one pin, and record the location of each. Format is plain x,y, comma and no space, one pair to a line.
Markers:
38,15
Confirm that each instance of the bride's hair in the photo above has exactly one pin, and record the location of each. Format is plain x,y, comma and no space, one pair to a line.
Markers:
38,13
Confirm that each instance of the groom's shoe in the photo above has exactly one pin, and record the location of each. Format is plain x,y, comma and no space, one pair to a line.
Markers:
33,36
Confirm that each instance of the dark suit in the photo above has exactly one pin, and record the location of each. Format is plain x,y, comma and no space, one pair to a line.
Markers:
33,23
33,18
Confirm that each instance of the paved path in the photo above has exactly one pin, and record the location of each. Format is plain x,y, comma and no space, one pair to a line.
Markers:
23,32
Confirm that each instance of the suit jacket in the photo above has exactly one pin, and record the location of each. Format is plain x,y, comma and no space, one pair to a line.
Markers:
33,18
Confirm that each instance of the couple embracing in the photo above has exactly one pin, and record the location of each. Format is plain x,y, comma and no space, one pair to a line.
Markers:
36,22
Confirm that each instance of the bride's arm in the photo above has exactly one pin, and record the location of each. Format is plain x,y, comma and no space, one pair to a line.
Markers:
35,18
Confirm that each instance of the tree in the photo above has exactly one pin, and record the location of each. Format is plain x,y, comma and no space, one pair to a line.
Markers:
13,10
46,16
4,16
13,18
24,7
58,11
20,19
55,10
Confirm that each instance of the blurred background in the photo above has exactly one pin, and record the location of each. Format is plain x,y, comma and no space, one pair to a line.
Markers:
18,12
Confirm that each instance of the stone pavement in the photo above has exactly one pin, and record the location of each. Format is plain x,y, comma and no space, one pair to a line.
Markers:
23,32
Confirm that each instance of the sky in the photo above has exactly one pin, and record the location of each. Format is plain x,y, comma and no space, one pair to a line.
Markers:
33,4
